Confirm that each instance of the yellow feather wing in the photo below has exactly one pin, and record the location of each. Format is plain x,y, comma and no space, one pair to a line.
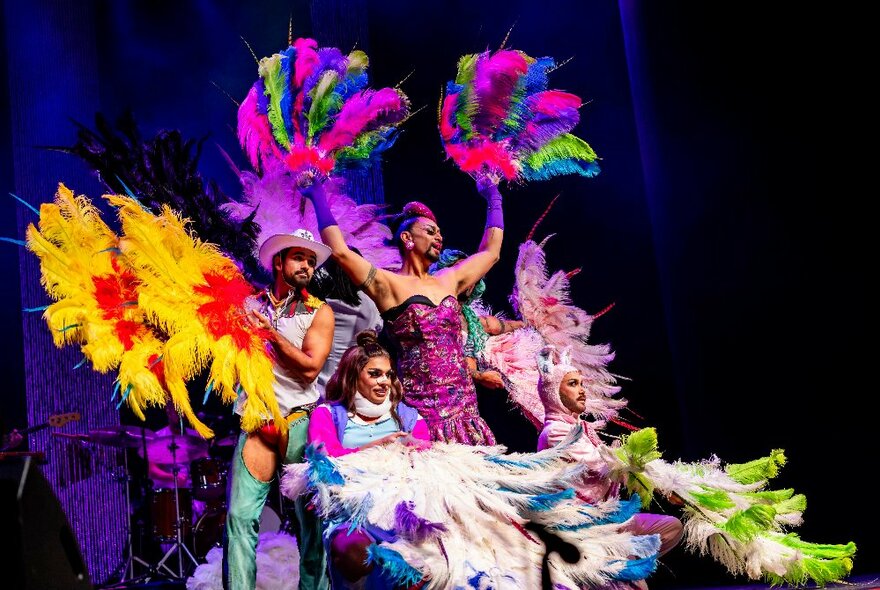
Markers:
191,291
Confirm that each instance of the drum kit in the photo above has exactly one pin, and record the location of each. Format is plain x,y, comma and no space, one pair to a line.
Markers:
184,487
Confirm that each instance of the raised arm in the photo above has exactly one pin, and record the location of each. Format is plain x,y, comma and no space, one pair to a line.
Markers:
474,267
371,280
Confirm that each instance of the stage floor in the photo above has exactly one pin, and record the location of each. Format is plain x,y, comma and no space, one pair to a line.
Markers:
863,582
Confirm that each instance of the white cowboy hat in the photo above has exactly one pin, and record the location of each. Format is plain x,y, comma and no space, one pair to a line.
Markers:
301,238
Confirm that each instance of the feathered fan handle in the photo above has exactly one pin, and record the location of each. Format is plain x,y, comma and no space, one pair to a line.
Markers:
497,117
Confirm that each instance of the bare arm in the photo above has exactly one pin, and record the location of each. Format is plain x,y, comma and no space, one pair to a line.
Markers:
494,325
488,379
304,363
372,281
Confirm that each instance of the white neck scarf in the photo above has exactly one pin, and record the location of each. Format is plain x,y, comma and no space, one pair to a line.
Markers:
365,407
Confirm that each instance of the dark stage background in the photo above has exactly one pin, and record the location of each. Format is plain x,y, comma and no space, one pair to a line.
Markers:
729,225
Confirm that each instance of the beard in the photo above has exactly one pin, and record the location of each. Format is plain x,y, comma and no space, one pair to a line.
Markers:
432,254
297,280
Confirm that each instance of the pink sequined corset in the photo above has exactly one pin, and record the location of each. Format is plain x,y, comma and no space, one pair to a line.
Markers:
433,371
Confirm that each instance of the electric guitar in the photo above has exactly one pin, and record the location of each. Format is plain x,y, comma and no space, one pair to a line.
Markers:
55,421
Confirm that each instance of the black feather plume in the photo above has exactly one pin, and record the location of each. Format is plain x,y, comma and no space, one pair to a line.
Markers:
164,171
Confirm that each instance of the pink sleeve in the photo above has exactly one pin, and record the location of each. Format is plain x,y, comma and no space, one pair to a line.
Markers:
323,430
420,430
582,450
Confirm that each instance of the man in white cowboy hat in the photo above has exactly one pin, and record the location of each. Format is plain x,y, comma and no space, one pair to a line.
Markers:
301,332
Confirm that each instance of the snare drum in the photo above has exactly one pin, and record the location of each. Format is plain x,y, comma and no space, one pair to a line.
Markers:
208,478
163,513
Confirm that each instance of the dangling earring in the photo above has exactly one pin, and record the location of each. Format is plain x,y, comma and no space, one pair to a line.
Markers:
409,245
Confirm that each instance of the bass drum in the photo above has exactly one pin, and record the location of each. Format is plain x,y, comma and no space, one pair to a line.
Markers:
164,512
208,532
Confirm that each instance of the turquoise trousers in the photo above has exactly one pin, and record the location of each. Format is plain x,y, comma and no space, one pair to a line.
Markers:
247,496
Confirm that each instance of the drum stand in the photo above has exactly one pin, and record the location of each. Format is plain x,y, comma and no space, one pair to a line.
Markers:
128,574
128,571
178,545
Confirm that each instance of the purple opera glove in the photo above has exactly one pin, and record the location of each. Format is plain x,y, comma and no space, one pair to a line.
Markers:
315,193
488,187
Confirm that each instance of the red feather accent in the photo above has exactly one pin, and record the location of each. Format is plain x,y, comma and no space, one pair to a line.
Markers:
109,296
525,533
605,310
304,158
447,130
114,294
158,369
540,219
126,330
625,424
472,159
634,413
223,315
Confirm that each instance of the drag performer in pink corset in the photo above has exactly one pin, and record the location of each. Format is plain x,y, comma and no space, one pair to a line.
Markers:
421,311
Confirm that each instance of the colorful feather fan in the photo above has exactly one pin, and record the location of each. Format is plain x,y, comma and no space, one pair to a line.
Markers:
729,513
197,297
497,118
543,301
475,517
96,297
311,109
155,302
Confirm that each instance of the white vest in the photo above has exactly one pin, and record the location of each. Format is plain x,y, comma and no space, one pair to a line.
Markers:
289,391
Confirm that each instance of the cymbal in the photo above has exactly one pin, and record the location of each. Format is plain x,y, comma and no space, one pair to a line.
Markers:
120,436
79,437
176,449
